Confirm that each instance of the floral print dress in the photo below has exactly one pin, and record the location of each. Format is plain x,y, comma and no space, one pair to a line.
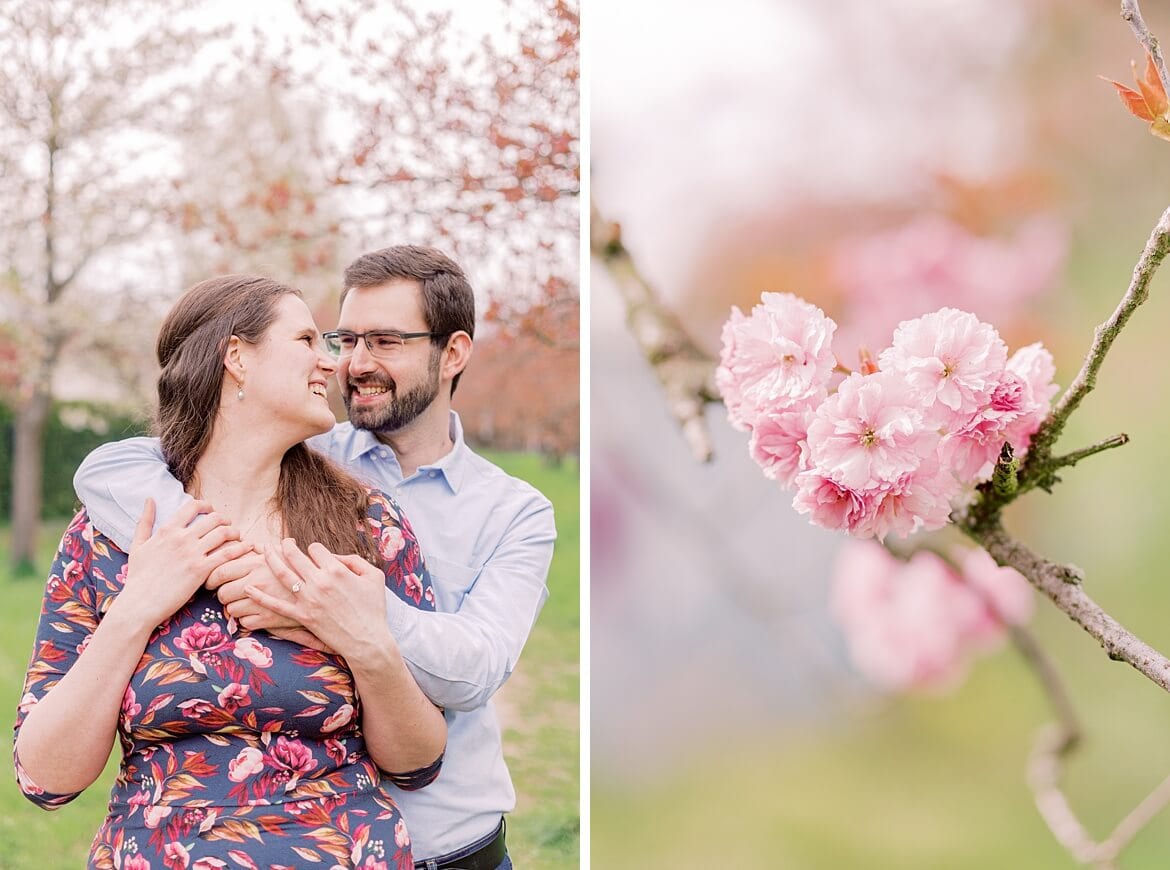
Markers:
240,750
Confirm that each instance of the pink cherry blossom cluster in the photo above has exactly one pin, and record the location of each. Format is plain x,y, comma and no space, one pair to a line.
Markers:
892,449
917,624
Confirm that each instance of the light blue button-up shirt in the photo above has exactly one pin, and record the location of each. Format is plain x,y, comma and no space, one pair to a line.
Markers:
487,539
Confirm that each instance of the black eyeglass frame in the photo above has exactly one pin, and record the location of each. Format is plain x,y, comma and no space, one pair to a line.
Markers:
330,337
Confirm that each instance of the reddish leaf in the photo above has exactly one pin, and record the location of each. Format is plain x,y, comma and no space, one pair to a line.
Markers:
1151,87
1132,100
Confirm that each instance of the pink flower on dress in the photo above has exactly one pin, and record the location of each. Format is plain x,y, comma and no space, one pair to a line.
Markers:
234,696
391,542
248,762
27,701
209,864
196,708
203,645
869,433
251,650
335,749
154,814
201,638
130,705
291,755
401,836
339,719
779,356
135,862
74,572
176,856
950,360
779,444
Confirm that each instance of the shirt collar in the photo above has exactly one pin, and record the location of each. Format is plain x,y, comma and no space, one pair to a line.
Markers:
453,465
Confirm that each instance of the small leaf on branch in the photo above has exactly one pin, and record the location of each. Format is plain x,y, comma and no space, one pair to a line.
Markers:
1149,102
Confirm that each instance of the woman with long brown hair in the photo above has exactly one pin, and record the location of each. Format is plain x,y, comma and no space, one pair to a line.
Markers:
240,748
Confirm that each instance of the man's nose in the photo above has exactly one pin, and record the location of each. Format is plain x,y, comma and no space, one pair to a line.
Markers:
361,360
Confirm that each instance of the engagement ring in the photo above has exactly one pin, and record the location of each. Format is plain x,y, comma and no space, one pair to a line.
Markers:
296,587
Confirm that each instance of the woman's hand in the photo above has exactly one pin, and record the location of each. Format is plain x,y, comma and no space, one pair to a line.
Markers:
340,599
167,566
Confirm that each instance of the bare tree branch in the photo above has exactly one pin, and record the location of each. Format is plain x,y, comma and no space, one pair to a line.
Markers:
685,371
1103,337
1133,16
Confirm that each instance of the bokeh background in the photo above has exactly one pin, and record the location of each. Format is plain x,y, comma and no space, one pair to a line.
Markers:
881,160
147,145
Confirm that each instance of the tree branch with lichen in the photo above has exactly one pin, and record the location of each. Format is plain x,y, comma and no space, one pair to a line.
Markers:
684,370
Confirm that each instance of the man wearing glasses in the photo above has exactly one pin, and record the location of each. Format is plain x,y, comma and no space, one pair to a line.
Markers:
404,337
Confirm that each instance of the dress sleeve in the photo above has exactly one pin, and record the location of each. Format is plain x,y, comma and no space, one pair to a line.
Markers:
417,779
406,574
76,593
408,579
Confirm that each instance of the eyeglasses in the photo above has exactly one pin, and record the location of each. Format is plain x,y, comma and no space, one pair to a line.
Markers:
379,343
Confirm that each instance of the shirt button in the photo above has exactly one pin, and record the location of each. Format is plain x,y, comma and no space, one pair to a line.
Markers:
432,474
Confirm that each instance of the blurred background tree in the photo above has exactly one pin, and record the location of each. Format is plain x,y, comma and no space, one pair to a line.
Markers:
81,107
142,150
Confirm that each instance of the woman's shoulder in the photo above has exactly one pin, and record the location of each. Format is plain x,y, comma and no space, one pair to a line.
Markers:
86,557
82,538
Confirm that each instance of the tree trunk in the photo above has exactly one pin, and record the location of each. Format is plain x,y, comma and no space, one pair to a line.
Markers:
27,476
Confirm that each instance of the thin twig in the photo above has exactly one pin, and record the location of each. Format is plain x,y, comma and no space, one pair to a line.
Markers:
1053,744
1133,15
1103,338
685,371
1131,825
1119,440
1044,773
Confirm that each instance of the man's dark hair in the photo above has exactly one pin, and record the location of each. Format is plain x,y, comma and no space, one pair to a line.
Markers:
447,298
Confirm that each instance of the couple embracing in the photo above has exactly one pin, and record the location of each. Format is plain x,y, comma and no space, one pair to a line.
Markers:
294,628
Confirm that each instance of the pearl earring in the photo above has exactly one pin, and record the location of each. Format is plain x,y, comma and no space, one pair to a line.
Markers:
240,392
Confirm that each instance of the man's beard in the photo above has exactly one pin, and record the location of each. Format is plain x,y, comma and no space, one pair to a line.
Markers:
398,410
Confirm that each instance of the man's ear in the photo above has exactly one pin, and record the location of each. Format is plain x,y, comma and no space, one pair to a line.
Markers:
456,355
233,360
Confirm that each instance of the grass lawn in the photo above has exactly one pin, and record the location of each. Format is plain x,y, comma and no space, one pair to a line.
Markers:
539,709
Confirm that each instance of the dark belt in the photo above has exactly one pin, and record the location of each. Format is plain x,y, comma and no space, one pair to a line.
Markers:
485,854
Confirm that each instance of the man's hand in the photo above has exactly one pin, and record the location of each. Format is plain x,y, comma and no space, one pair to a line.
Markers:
340,599
230,583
